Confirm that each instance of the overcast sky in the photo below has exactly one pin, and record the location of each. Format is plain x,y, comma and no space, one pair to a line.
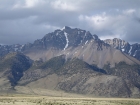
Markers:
23,21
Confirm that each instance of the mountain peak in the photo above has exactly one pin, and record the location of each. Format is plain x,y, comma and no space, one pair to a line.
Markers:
65,27
116,43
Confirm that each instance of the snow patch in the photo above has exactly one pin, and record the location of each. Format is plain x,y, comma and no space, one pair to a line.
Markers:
122,46
93,37
58,33
63,28
22,46
130,50
86,42
16,49
67,41
135,53
123,50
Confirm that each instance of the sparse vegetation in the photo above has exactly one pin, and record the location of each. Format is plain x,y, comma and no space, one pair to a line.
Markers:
65,101
54,63
121,66
14,61
14,64
130,72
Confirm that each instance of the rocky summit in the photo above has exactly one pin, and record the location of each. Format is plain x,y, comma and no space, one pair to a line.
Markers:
130,49
72,60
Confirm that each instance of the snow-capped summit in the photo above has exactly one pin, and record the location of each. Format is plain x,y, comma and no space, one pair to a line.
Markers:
65,27
64,38
69,38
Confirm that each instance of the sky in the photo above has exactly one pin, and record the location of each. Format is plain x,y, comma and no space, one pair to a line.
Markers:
23,21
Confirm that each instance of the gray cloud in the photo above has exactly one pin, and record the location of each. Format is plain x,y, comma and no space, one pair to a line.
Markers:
23,21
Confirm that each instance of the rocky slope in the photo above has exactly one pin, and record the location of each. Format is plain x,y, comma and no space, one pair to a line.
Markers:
5,49
76,76
130,49
12,67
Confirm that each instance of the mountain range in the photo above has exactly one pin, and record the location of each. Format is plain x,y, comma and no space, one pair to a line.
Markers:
73,60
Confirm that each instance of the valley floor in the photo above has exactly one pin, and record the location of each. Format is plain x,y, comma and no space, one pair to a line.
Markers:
44,100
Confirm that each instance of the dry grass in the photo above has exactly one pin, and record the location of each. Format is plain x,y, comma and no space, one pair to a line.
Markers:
44,100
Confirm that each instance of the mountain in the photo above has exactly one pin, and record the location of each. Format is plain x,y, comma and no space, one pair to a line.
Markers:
5,49
12,67
72,60
130,49
58,42
76,43
75,75
79,43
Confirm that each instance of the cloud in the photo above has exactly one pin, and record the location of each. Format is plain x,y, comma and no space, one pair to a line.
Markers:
23,21
124,25
61,5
